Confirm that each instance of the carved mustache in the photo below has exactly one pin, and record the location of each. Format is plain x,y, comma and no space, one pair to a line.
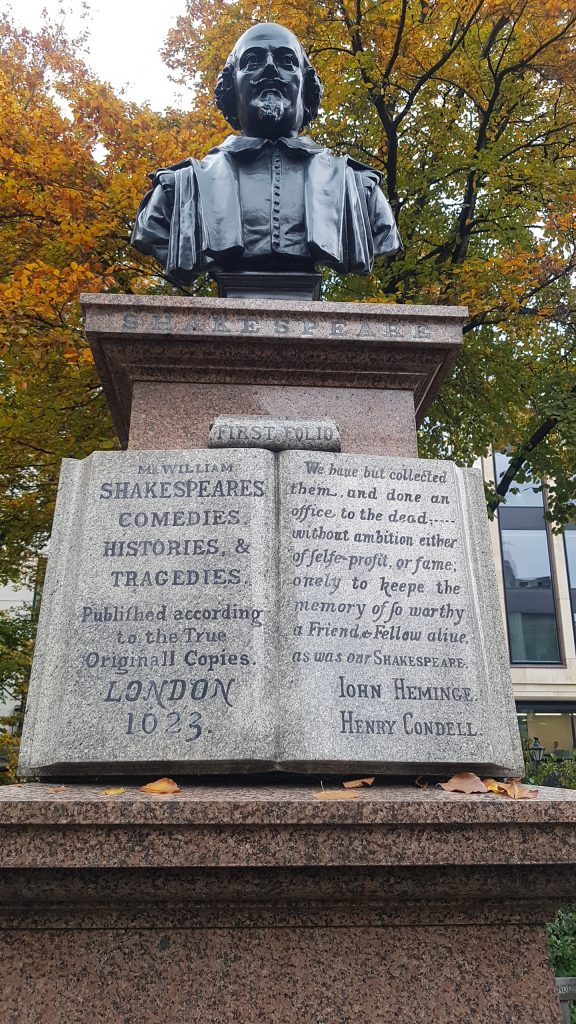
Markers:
274,83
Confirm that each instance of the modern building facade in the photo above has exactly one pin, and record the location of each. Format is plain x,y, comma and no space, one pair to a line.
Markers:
537,579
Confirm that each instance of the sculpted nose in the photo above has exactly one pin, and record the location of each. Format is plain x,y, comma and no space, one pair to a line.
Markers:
269,68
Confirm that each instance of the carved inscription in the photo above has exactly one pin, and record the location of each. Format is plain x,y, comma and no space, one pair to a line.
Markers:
174,620
236,324
377,602
274,434
237,607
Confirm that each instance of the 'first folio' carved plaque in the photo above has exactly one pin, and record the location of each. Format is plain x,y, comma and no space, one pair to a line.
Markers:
221,610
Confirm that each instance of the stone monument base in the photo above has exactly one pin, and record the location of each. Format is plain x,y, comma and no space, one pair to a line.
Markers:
253,903
169,365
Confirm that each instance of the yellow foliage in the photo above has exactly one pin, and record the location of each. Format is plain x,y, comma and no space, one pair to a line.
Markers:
467,107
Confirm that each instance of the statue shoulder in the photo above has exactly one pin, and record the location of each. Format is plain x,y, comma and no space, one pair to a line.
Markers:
371,178
165,175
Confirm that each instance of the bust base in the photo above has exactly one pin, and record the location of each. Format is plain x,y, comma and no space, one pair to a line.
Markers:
248,284
168,365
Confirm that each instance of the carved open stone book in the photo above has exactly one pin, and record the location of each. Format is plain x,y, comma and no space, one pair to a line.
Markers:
237,610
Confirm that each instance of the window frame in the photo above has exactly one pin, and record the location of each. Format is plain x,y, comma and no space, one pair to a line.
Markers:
533,517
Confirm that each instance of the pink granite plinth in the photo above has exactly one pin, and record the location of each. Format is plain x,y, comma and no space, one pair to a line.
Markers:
168,366
246,903
166,415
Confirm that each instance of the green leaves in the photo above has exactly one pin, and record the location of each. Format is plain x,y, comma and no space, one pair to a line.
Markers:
467,109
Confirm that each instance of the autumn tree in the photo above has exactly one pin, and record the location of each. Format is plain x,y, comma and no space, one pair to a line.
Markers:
73,163
468,108
17,632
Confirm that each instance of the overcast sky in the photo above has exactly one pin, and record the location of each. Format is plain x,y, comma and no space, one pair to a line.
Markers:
125,37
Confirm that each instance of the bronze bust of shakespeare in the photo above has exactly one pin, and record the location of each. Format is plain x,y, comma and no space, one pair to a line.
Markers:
269,200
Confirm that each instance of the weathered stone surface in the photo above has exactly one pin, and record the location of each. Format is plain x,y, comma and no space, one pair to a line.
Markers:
218,610
274,434
139,341
156,634
270,883
375,422
394,641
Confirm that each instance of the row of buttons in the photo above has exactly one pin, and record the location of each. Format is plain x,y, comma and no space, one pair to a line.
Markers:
276,175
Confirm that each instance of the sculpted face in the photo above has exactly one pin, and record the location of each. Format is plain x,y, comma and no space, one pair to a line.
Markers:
269,81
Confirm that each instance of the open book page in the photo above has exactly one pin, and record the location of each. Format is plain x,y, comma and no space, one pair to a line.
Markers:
156,645
381,651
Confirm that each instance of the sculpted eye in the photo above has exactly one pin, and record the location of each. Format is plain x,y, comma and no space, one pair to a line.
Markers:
251,60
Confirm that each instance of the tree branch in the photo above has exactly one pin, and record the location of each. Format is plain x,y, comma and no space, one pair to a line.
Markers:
397,41
439,64
519,460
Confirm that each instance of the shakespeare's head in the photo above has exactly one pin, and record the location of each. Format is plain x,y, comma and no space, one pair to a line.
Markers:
268,87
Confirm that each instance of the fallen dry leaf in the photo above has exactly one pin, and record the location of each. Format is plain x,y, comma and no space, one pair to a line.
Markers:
464,782
160,786
358,783
56,789
492,785
421,782
517,791
335,794
115,791
513,789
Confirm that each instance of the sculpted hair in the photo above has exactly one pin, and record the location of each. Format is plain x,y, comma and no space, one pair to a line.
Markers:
225,96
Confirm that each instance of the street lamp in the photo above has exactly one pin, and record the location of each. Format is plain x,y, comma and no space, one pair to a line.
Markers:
536,751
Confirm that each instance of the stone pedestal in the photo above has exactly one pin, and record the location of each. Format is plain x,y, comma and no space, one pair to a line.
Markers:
170,365
240,904
256,902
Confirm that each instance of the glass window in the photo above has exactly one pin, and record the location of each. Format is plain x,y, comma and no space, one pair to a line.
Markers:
525,559
526,496
527,575
533,638
555,730
570,540
570,548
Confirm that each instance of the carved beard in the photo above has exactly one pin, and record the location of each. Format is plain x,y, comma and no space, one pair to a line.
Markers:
270,106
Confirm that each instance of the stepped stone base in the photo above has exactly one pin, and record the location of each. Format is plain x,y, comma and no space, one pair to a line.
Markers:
247,903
